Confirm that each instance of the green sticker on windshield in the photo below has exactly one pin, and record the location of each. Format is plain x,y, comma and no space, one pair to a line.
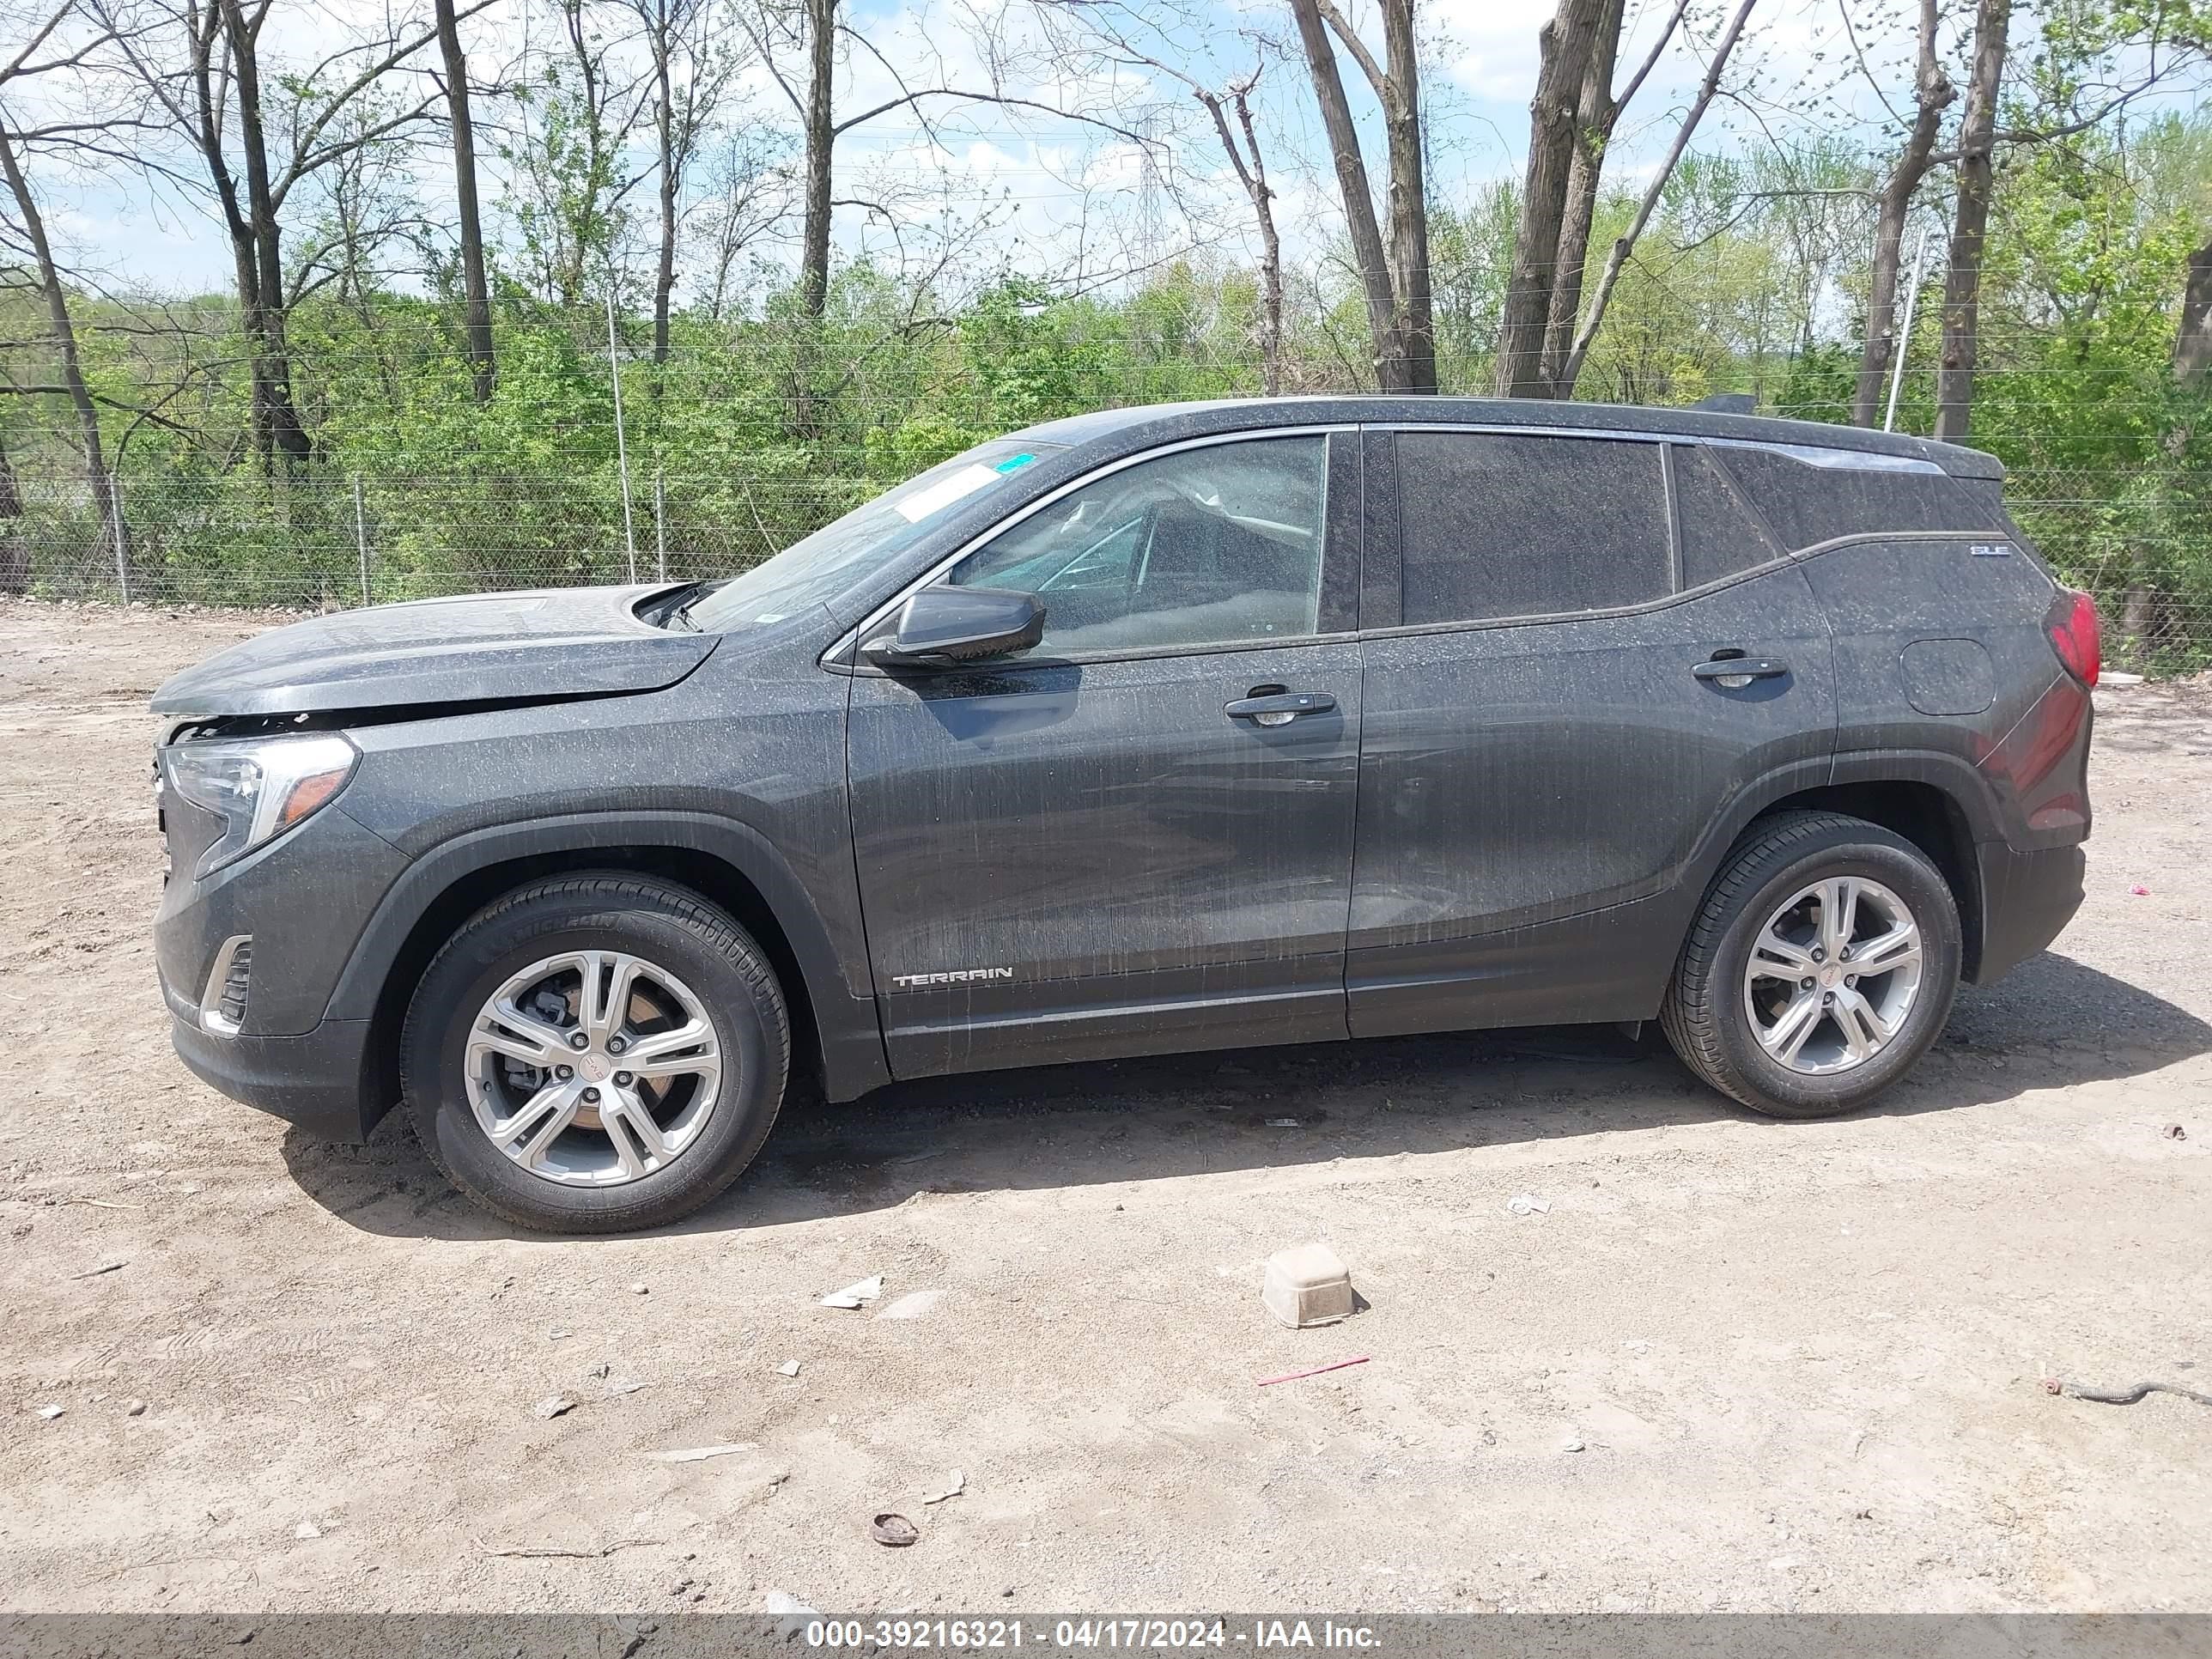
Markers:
1014,463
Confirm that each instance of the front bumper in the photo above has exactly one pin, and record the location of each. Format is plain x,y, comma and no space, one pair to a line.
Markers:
303,902
303,899
321,1080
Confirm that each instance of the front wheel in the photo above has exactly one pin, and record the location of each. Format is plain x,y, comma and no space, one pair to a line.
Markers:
595,1054
1820,967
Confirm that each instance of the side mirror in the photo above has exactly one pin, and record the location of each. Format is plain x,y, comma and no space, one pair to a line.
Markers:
942,626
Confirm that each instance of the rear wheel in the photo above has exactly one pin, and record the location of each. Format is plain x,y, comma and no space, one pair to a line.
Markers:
1820,967
595,1054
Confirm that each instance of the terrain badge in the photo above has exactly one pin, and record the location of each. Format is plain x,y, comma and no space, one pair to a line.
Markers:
952,976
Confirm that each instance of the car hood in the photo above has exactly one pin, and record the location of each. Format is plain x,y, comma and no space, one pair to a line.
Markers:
554,643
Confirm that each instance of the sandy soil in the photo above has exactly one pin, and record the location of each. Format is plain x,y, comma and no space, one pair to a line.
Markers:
1804,1363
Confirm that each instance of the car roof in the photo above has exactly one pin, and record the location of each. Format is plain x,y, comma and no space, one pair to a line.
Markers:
1164,422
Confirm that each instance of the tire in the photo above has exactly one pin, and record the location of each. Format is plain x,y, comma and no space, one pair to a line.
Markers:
1721,1001
677,985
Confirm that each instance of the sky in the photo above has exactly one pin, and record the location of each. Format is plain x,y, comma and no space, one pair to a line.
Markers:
1059,194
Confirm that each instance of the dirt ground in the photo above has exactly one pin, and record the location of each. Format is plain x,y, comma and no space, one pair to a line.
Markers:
1803,1364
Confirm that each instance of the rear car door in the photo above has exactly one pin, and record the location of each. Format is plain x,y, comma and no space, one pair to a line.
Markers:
1552,732
1116,843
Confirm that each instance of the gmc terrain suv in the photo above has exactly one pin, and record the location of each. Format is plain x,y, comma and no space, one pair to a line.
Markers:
1157,729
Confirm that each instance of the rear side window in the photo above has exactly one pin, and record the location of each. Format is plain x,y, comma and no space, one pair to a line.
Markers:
1494,526
1721,535
1808,504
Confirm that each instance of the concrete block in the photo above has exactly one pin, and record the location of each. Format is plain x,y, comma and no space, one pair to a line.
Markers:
1307,1285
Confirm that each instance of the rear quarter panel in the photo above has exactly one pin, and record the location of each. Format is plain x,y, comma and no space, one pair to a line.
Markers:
1941,655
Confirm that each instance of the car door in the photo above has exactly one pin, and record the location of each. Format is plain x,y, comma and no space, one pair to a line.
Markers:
1115,842
1552,732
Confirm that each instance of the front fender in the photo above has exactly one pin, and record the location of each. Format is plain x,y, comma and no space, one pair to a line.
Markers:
841,993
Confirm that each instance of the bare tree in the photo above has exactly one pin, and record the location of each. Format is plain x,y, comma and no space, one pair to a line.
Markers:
579,112
690,76
1395,279
474,286
367,201
1932,93
1962,281
817,30
1564,46
821,130
1597,112
210,83
1625,244
1117,30
40,54
811,29
1251,169
746,198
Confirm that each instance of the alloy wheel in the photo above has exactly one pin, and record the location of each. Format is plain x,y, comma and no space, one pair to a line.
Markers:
592,1068
1832,976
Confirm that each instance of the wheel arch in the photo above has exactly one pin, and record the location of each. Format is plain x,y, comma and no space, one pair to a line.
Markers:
1922,812
835,1035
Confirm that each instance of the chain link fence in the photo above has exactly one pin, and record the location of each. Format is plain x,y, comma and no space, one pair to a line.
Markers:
2141,544
324,543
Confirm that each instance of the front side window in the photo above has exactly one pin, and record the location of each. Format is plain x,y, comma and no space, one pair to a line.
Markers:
1497,525
1216,545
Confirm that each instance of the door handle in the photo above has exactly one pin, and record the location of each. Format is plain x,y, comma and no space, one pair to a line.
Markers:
1733,672
1279,707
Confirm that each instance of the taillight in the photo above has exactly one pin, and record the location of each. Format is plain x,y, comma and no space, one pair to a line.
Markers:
2072,624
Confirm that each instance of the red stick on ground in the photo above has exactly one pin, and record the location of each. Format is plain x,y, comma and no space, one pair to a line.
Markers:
1293,1377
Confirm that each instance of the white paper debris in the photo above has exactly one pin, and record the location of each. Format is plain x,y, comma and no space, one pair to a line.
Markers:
857,1294
791,1614
701,1454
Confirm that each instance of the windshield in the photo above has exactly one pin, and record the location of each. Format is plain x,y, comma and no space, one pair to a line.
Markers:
817,569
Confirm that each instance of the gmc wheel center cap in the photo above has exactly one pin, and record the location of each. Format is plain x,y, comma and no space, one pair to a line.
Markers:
594,1068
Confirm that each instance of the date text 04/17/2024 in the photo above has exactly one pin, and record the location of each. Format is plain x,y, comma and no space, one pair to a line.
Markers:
1141,1634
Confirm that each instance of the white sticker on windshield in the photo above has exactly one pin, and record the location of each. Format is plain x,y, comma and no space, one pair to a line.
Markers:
966,481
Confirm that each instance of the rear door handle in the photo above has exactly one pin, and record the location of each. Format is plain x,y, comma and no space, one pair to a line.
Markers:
1739,670
1279,707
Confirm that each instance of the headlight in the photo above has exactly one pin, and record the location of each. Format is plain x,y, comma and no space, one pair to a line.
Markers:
260,787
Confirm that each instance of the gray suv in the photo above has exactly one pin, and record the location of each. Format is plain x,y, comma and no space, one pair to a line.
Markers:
1158,729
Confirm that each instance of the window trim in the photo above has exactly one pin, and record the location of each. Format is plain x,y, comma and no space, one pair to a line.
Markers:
1822,455
1864,537
843,657
1551,618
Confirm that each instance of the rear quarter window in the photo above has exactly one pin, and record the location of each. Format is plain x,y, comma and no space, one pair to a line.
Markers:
1807,504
